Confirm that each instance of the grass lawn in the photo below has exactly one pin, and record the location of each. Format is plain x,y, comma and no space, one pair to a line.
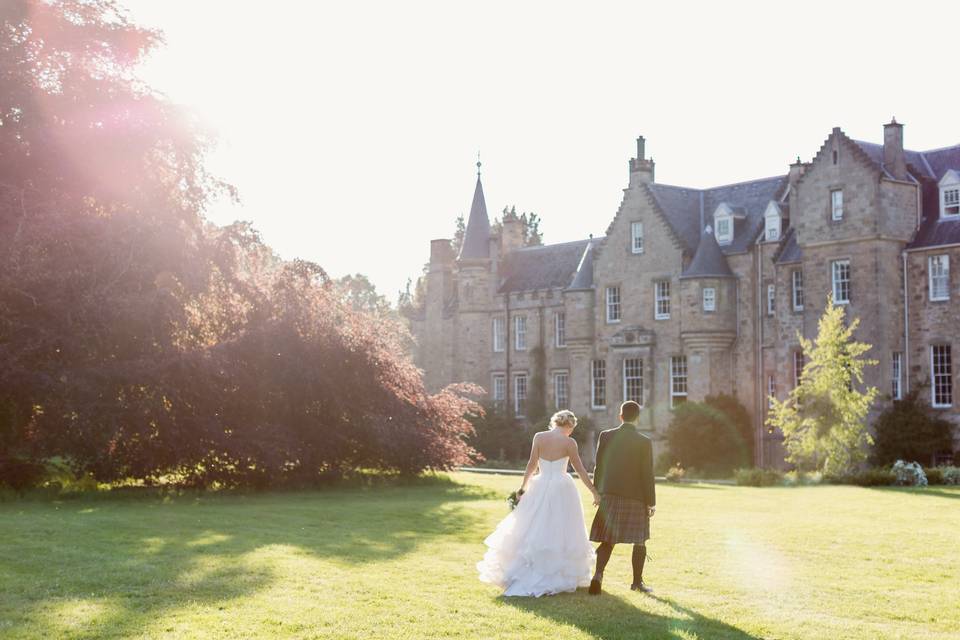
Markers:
398,562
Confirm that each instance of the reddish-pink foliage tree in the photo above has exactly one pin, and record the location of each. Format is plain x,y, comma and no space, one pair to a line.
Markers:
139,340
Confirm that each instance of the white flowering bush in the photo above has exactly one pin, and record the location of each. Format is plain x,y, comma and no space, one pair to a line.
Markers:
909,474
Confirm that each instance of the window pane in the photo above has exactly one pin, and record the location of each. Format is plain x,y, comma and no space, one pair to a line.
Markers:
519,394
941,366
939,270
613,304
633,380
678,379
598,384
896,373
709,299
560,329
560,390
951,202
662,294
797,367
797,277
841,281
836,204
636,234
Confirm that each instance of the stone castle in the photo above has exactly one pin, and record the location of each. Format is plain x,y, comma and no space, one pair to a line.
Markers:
694,292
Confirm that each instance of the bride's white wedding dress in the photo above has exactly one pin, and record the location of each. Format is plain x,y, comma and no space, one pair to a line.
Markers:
541,547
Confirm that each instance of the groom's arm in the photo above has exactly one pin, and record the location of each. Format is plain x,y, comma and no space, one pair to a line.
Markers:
598,463
649,487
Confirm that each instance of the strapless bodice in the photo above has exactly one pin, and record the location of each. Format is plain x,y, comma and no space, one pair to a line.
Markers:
553,466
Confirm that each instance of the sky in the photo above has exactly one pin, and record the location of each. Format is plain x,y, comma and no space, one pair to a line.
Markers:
351,129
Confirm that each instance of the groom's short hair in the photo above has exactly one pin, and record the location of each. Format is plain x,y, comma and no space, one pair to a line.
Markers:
629,411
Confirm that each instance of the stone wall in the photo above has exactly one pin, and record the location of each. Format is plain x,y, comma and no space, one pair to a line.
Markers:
933,322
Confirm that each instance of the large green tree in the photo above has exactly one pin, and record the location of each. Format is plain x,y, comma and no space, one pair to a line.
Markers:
823,419
139,340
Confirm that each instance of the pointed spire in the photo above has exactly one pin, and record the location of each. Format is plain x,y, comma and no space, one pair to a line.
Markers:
708,261
476,238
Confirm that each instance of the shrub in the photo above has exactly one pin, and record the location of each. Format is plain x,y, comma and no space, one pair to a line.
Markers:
873,477
909,474
909,430
798,478
755,477
663,464
951,475
934,475
705,436
21,474
498,436
675,474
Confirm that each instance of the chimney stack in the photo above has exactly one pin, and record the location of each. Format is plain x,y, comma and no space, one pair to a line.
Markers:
641,169
441,253
796,172
893,159
511,231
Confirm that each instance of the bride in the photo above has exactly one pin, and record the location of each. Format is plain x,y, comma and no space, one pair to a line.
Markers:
541,547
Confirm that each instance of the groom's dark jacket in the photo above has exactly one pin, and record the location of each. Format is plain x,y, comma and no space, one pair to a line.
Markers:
625,464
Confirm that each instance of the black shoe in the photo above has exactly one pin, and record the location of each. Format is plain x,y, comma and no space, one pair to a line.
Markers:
594,588
639,586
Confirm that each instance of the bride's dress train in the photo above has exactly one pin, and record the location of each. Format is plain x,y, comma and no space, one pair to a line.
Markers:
541,547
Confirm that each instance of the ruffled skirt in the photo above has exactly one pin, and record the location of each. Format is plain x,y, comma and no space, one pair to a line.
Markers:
541,547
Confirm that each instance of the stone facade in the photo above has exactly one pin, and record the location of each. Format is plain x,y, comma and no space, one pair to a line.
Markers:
697,292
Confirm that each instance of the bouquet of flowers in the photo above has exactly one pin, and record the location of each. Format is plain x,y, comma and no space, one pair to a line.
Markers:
514,499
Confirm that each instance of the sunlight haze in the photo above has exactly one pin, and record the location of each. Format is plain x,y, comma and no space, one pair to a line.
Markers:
335,117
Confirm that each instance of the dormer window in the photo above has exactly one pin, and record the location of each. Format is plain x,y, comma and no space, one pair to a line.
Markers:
950,194
724,230
723,221
771,223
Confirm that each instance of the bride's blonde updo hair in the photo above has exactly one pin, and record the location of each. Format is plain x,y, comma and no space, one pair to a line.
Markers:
565,418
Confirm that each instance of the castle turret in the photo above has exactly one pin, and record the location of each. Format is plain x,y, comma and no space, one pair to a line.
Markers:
708,295
474,263
476,238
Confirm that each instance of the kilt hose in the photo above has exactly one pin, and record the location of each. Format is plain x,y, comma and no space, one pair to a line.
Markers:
620,520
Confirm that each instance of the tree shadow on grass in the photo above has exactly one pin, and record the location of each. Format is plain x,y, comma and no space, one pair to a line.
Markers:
925,491
137,562
610,617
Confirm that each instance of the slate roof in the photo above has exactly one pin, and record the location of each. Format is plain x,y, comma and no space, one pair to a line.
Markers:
583,278
687,210
548,267
788,251
476,238
927,167
708,260
914,159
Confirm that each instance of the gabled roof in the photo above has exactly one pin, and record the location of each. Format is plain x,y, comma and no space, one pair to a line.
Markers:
547,267
476,238
708,261
683,209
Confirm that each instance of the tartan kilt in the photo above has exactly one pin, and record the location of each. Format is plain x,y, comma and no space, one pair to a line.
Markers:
619,520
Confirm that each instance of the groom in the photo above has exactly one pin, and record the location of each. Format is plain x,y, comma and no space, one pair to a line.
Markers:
624,477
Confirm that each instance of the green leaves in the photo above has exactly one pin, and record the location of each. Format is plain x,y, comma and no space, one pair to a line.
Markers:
823,419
